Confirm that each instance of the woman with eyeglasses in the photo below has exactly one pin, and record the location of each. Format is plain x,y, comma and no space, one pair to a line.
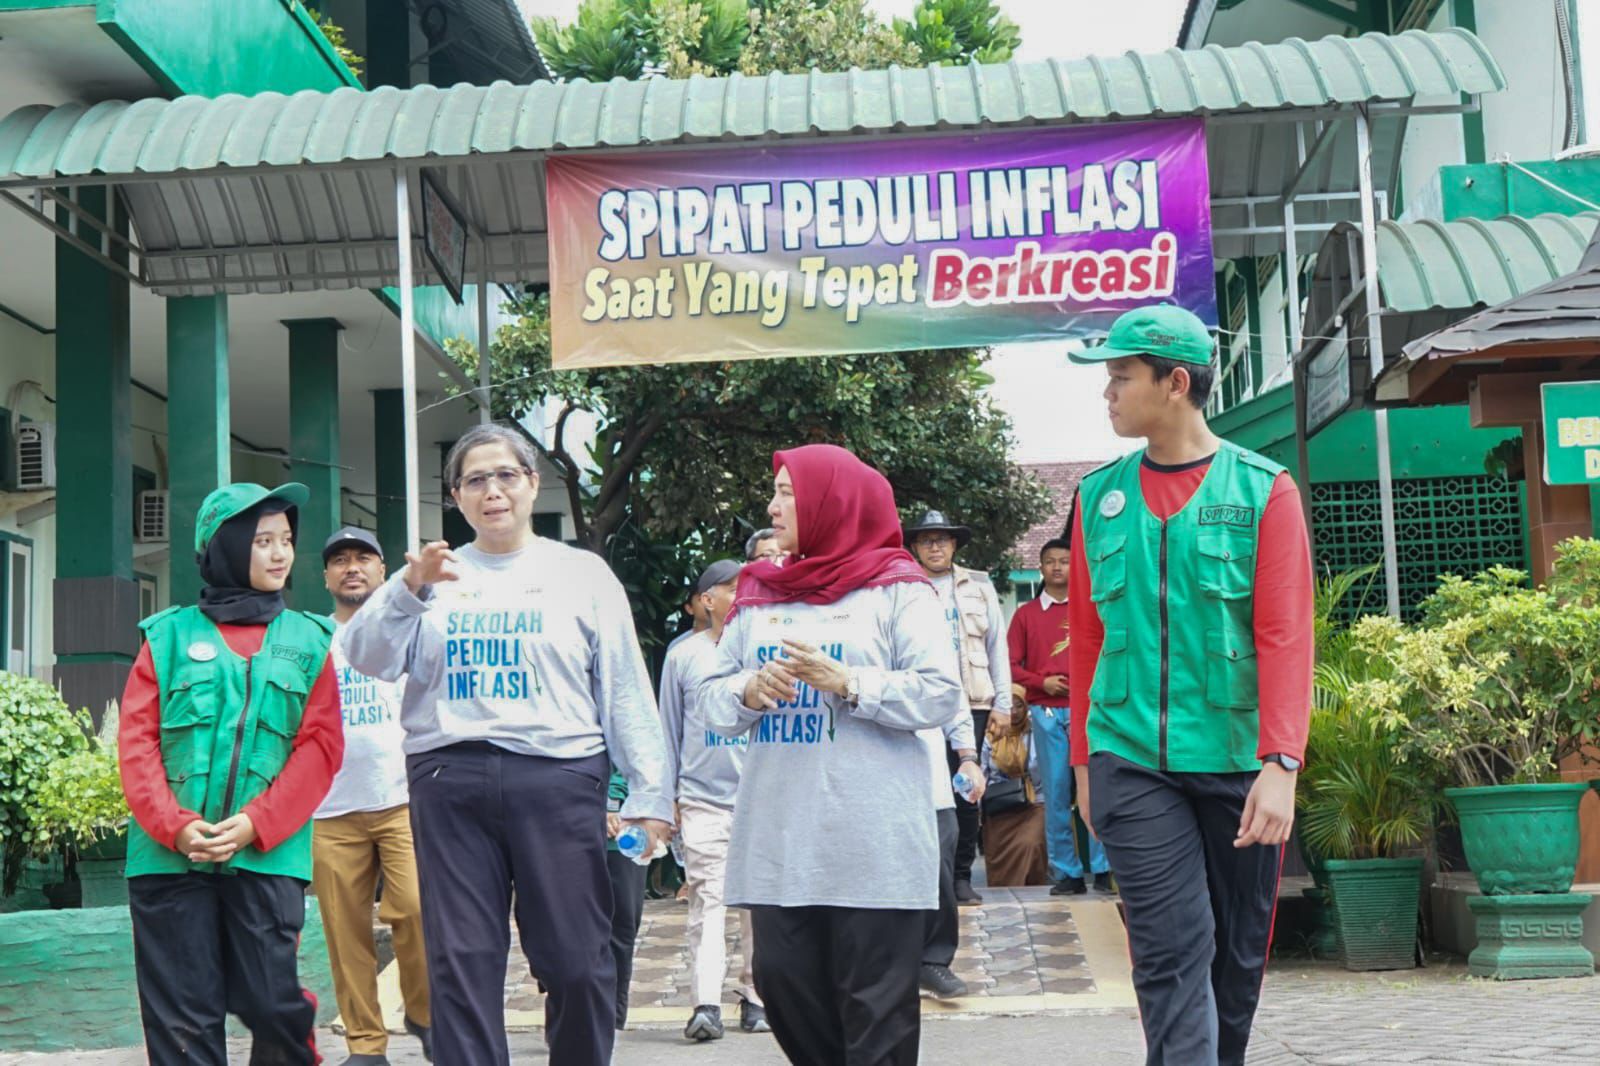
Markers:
524,683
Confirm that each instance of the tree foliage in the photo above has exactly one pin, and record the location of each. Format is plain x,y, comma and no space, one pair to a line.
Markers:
680,38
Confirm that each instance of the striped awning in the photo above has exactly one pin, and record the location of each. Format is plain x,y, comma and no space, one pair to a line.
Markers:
277,193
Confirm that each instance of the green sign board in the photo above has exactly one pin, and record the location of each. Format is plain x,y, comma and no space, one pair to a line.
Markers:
1571,432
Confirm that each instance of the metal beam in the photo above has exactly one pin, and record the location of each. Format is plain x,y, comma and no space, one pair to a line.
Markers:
408,361
1324,141
1329,9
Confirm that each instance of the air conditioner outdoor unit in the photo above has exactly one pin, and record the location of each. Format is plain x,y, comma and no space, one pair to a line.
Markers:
35,456
152,527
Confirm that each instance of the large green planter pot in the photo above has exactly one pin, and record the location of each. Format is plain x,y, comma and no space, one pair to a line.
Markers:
1375,904
1520,839
102,871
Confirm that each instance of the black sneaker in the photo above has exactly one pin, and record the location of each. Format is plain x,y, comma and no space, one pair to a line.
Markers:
966,896
423,1033
366,1060
1102,883
705,1024
753,1017
1069,886
939,982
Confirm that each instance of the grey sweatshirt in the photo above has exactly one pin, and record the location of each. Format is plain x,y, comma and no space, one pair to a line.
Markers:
703,765
833,806
533,651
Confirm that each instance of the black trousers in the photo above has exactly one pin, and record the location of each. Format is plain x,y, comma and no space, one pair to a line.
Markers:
967,814
209,945
627,908
943,929
1199,910
492,826
840,983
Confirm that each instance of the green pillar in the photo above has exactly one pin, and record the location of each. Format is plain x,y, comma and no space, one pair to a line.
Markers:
388,44
314,449
95,597
389,471
198,425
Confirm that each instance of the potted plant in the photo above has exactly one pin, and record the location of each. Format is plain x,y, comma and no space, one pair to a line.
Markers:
36,728
1361,810
1496,686
80,805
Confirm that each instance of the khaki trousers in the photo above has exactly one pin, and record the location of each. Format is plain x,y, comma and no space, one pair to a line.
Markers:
706,831
348,852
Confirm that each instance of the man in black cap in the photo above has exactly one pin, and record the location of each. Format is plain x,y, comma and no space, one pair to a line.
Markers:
705,768
363,828
978,633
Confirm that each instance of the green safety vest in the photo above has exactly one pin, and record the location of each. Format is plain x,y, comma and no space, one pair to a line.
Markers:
227,727
1175,685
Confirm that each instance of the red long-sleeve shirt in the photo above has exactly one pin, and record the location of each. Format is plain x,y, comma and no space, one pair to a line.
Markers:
280,811
1285,652
1036,631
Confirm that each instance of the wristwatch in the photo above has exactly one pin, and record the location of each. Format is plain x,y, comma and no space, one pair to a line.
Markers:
852,688
967,755
1288,762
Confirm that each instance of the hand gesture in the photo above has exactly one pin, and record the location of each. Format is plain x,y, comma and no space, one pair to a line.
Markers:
1081,773
613,825
822,672
223,840
1055,685
770,686
427,567
190,838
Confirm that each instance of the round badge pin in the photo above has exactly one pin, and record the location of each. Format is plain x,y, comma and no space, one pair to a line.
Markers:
1113,503
202,651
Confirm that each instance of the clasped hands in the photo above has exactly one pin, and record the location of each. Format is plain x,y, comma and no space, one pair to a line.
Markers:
778,680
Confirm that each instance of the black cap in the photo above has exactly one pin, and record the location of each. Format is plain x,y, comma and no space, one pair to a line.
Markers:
718,573
363,538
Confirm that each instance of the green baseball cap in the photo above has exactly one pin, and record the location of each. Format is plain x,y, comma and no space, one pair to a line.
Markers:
229,500
1164,330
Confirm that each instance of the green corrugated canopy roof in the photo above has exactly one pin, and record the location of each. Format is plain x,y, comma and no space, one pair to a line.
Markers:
277,193
1431,274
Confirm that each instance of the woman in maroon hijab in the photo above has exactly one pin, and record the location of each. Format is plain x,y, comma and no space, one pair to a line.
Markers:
829,666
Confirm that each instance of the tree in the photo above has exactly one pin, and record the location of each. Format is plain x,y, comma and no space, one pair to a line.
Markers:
680,38
960,31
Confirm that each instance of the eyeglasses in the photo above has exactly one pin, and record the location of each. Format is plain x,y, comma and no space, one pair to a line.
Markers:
506,477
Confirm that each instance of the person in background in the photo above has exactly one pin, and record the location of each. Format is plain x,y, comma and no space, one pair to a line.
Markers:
943,931
228,738
363,829
705,768
830,664
524,685
698,622
1192,657
1014,851
1040,664
627,896
763,544
977,631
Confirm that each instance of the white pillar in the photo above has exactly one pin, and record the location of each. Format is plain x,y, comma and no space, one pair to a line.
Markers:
485,369
408,359
1369,270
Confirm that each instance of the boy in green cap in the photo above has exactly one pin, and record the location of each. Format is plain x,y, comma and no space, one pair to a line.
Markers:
1191,664
229,737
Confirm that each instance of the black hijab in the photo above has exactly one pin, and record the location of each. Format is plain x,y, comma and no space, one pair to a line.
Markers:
228,598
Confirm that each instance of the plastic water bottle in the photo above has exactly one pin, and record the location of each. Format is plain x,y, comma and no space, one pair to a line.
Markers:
634,842
963,785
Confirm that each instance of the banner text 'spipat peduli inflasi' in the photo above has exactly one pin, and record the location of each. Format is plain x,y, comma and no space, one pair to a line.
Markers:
813,247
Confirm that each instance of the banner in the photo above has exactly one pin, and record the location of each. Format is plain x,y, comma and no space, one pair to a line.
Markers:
812,247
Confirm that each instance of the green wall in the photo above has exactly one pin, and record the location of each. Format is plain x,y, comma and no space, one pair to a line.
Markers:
237,46
1492,190
1423,442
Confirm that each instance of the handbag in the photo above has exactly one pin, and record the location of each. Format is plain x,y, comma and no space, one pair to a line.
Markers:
1007,794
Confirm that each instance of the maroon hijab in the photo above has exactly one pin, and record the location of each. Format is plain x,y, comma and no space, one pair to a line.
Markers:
849,537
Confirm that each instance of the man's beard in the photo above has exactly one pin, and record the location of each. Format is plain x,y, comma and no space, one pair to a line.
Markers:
351,600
